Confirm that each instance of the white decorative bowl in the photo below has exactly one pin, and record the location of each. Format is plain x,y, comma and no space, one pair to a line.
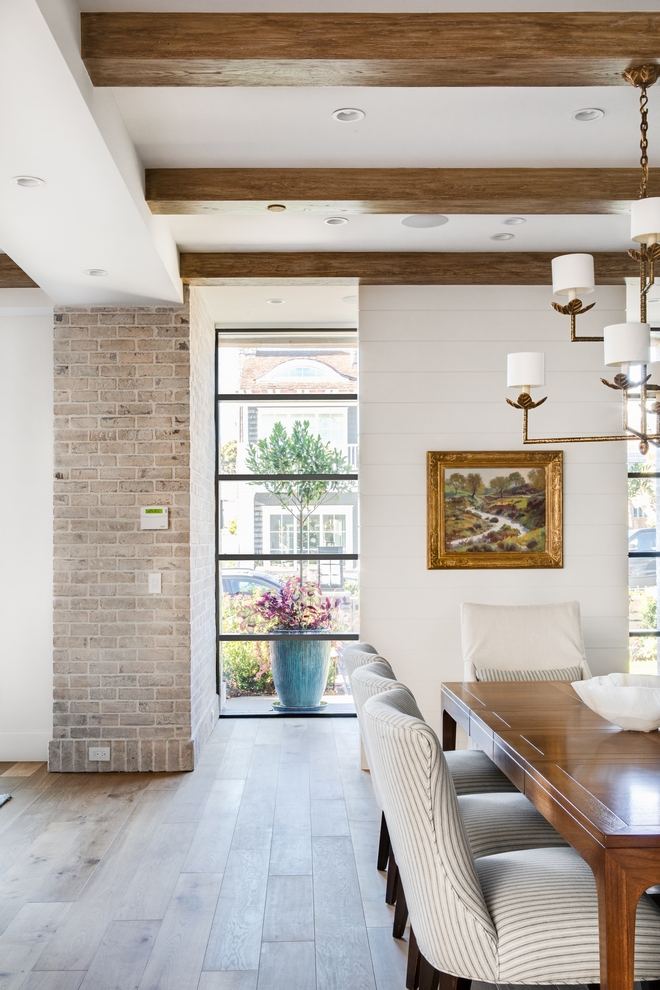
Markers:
631,701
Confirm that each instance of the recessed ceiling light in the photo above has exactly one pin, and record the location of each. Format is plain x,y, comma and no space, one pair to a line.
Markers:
502,237
514,221
28,181
425,220
95,271
275,302
587,114
354,299
348,115
276,208
335,221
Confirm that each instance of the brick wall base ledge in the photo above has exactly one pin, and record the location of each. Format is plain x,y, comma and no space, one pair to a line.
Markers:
126,755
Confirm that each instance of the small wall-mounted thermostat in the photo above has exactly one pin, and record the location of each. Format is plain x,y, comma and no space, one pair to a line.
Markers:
154,517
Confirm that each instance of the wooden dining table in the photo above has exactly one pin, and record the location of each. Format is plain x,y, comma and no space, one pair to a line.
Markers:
597,784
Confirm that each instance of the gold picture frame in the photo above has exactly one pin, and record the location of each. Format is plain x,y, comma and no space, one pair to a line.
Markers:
494,509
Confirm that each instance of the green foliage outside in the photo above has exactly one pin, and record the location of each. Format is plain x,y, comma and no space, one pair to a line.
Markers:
644,649
246,668
298,453
641,491
649,609
228,455
245,665
482,518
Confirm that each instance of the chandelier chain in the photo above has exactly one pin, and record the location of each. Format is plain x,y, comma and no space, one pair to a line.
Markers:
641,77
644,143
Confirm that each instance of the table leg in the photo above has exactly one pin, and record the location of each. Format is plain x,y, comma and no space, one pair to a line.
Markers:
618,894
448,731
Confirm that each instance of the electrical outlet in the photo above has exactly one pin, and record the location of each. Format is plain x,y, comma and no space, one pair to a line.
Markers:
99,754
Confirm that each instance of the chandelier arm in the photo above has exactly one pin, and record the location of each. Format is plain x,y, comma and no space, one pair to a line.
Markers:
653,438
581,340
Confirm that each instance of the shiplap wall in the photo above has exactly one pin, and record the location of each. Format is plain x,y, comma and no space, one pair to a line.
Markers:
433,377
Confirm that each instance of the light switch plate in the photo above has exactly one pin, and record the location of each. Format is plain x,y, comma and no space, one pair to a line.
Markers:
99,754
155,586
154,517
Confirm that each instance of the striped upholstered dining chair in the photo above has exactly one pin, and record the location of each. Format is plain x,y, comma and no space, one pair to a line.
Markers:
354,656
528,916
495,822
523,642
472,770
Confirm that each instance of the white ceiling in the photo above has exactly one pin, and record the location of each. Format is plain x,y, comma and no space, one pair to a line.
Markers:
89,213
302,306
305,232
241,127
293,127
90,146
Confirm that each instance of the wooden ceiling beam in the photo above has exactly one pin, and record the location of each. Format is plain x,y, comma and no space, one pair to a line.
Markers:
365,49
395,190
13,277
388,268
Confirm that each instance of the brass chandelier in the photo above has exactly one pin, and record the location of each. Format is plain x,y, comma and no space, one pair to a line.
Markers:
625,344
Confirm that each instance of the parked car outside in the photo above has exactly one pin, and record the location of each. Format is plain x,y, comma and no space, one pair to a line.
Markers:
641,570
246,582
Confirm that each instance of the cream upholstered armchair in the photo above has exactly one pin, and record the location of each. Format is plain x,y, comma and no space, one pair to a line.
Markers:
523,642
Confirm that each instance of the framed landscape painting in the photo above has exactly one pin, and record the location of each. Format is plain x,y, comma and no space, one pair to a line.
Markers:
494,509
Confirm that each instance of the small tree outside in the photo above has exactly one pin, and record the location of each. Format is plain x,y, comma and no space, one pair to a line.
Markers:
299,452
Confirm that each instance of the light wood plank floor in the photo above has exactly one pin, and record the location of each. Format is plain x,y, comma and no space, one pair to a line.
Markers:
255,872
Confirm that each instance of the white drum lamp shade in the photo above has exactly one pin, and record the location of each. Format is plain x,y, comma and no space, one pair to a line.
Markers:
627,343
573,273
645,220
525,369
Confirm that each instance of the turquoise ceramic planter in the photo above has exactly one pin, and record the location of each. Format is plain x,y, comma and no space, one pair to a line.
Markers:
300,670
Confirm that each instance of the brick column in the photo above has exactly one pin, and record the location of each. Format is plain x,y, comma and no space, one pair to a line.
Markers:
124,393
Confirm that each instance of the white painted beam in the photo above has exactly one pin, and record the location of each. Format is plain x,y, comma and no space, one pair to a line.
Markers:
91,211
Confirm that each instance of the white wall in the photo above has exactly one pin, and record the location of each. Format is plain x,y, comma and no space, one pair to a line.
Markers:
26,536
432,367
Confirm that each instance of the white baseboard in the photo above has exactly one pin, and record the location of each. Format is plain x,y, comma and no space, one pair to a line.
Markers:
24,747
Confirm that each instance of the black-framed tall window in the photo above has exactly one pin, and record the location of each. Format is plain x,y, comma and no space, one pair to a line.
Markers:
284,396
643,554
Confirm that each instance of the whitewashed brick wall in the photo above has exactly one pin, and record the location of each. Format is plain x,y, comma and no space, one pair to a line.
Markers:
122,657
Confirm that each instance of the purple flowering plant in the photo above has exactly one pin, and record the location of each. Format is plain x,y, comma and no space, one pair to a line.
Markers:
296,605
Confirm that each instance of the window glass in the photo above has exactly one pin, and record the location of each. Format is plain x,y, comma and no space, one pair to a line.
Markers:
287,424
643,490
